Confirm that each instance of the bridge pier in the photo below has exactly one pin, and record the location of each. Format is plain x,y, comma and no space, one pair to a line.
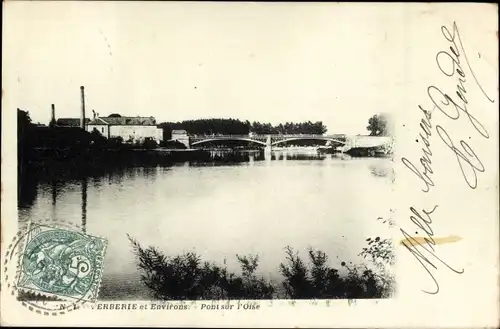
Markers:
185,140
267,155
348,144
268,143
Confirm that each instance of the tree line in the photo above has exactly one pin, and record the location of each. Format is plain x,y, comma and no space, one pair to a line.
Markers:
28,133
307,127
238,127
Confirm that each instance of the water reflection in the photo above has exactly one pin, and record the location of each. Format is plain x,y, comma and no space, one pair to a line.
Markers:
84,185
54,193
26,190
29,183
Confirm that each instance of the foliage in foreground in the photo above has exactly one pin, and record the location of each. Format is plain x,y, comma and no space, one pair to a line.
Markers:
322,281
186,277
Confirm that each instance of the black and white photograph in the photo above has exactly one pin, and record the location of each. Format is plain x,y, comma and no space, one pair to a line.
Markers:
219,165
185,151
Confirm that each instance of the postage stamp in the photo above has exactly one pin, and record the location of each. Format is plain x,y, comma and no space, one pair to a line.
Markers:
62,263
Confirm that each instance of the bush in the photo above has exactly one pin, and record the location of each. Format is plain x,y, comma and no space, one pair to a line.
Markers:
173,145
255,287
297,283
185,277
115,142
321,281
149,143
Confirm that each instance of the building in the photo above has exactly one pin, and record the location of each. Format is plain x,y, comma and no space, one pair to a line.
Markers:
181,136
70,122
131,129
65,122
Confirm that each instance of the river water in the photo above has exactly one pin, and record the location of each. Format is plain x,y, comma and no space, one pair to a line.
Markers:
252,204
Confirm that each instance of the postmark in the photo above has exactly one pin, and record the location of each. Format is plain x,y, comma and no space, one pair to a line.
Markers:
54,269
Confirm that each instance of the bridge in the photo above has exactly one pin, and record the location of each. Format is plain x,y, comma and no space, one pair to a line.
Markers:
344,142
266,140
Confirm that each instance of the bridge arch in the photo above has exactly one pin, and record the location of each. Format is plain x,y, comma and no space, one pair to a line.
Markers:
228,139
308,138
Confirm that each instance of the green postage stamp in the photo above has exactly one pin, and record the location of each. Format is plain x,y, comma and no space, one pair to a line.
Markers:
62,263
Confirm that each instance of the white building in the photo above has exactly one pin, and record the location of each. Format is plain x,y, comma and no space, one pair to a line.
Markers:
181,136
131,129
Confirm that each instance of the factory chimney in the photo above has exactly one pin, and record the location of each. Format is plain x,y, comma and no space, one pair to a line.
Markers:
82,118
52,117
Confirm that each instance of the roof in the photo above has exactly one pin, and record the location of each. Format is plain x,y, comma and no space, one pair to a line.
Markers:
124,121
70,122
181,131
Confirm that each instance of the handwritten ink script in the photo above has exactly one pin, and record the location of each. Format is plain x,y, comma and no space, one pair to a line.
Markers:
454,105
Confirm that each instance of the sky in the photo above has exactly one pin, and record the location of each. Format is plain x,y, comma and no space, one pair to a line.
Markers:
267,62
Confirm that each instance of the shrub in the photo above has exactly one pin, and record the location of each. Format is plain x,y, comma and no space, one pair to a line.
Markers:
115,142
321,281
172,145
185,277
255,287
296,283
149,143
381,254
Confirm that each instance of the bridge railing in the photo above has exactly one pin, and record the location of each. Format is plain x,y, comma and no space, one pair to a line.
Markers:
221,136
266,135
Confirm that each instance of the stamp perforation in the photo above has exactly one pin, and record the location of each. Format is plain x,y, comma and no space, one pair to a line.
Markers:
13,252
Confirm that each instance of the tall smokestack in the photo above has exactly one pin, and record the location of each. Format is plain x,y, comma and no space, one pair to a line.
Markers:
82,118
53,116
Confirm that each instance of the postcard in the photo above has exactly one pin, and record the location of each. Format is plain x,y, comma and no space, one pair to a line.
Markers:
250,164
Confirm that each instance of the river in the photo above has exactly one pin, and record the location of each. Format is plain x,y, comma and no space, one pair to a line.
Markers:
248,204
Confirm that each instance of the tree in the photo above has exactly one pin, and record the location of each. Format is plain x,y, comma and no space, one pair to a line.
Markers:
379,125
24,128
23,121
237,127
25,136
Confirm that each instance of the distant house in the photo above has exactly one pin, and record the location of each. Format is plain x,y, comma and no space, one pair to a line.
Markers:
131,129
181,136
